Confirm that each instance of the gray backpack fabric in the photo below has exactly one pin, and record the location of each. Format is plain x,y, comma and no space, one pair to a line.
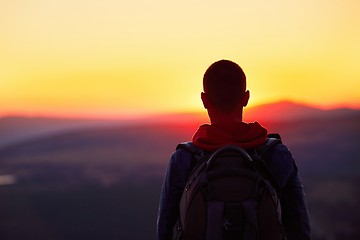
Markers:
230,195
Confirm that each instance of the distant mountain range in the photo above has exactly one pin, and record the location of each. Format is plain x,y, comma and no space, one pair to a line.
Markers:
302,127
319,141
288,110
15,129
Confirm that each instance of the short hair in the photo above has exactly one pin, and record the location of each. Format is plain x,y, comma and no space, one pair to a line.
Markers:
224,83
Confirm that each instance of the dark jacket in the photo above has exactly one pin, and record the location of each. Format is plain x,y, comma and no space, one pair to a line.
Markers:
285,172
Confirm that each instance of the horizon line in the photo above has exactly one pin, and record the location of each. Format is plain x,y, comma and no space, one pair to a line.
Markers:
138,115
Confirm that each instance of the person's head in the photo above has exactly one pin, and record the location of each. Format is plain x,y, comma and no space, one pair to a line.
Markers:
224,85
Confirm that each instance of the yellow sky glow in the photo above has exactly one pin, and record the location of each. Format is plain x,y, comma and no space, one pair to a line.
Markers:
112,58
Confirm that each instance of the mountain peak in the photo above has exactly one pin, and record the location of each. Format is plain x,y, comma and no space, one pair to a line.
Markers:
282,110
291,110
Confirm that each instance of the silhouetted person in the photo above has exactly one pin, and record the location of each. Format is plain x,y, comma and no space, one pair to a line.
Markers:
224,97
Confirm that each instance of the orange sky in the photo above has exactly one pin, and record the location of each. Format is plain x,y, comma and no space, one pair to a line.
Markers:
112,57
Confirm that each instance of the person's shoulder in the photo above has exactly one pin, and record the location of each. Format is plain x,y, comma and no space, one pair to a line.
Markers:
282,148
282,163
183,152
275,144
282,156
181,161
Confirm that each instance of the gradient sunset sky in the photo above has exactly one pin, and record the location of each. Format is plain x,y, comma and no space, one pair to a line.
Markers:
109,58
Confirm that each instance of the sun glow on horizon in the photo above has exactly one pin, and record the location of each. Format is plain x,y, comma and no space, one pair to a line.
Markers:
113,59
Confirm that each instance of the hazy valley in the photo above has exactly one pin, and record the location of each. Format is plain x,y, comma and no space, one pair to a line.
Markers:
102,180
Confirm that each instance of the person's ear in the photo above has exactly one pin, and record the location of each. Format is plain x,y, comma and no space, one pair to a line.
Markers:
205,100
245,99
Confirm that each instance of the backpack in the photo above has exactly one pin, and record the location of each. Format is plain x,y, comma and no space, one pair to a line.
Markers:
230,195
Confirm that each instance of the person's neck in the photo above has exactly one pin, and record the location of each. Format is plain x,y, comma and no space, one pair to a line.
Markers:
218,117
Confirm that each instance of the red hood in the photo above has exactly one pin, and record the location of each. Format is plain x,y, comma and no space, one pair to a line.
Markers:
245,135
